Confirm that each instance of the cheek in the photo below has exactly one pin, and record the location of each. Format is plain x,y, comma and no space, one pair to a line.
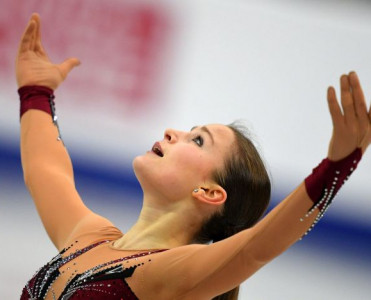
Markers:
192,165
188,158
177,173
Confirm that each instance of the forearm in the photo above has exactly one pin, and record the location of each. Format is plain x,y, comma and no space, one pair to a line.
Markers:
47,167
41,151
49,177
303,208
282,227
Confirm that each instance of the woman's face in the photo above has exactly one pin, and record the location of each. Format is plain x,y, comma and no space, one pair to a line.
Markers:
183,161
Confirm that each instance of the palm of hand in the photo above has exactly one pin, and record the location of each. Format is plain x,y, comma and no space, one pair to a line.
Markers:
33,66
352,124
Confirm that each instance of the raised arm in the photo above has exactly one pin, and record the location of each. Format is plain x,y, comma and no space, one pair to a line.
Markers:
351,137
207,271
46,164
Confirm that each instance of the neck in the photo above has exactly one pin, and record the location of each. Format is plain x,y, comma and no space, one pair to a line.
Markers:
162,227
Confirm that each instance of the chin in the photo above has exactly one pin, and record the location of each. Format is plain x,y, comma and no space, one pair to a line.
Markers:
138,163
150,176
143,170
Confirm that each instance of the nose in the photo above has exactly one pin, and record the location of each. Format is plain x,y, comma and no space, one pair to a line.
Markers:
171,135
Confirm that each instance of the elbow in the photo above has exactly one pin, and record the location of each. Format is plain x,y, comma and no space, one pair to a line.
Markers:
27,178
38,175
254,260
30,174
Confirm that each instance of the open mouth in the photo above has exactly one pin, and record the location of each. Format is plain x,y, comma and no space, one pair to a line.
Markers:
157,149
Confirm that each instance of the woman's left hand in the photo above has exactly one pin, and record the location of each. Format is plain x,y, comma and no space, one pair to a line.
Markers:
352,123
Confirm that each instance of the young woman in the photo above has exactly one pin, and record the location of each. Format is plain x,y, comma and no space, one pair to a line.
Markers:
206,185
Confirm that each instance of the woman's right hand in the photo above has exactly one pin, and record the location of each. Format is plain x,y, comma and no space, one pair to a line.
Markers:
33,66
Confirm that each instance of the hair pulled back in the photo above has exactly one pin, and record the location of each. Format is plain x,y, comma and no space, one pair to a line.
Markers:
246,181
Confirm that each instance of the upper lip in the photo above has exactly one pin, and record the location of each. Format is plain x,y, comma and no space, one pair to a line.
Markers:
157,149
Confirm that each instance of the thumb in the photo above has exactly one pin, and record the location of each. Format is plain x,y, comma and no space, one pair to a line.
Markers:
66,66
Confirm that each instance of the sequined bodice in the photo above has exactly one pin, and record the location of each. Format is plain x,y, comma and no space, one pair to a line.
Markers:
105,280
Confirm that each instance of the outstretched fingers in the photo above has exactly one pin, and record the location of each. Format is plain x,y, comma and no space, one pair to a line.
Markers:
359,101
28,37
347,101
38,45
34,33
334,107
350,118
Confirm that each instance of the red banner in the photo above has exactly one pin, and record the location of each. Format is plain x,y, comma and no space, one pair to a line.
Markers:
122,45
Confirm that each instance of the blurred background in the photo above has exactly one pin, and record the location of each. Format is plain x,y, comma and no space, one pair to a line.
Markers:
150,65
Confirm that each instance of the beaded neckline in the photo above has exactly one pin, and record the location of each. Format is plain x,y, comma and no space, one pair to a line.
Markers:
42,282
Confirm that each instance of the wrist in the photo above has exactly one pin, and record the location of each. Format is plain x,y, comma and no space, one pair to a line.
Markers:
330,175
36,97
326,180
41,98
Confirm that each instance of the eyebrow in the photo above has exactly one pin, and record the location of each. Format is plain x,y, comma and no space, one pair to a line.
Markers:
205,129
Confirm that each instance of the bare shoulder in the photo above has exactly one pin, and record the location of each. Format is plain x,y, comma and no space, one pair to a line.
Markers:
91,228
166,274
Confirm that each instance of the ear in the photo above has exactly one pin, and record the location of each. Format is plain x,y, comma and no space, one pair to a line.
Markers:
213,194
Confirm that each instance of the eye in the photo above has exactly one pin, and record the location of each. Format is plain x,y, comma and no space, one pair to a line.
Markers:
198,140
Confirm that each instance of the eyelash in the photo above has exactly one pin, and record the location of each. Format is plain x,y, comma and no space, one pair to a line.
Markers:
198,140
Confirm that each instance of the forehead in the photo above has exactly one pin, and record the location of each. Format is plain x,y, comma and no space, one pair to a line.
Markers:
220,129
223,135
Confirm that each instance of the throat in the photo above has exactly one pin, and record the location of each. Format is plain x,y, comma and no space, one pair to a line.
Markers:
158,228
125,243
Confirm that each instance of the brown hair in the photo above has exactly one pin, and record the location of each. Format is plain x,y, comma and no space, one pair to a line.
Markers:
248,187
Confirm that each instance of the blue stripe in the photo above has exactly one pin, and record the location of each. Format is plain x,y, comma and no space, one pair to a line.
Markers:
332,235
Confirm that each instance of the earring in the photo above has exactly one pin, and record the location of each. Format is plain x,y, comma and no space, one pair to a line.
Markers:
195,190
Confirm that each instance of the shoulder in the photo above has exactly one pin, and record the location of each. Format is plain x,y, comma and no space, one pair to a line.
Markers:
167,274
93,228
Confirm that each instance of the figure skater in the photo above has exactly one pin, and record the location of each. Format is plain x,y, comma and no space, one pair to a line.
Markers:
200,232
